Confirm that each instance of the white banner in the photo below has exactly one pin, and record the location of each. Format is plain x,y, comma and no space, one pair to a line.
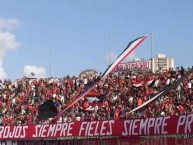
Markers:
134,66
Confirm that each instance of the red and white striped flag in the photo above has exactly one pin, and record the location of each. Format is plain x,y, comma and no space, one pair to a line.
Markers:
138,84
150,82
128,50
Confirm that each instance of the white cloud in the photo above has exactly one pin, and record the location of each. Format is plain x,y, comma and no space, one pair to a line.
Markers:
33,71
7,40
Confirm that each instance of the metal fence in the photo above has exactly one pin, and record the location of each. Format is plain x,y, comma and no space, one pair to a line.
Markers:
145,140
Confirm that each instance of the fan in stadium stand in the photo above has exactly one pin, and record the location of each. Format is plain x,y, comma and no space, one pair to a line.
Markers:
47,110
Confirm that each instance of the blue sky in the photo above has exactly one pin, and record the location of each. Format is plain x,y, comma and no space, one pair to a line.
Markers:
77,32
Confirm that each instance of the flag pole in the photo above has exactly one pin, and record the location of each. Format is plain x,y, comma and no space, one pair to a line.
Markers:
50,61
109,50
152,53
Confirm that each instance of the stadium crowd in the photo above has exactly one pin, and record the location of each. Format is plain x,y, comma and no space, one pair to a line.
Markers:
119,94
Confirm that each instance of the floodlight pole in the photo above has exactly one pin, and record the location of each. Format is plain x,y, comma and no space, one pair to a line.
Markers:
50,61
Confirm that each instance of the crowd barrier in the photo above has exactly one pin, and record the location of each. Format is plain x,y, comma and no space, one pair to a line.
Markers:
110,141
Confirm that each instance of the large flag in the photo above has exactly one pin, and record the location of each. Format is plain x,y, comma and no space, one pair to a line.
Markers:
127,51
47,110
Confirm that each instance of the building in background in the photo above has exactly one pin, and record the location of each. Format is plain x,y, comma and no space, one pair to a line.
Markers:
161,62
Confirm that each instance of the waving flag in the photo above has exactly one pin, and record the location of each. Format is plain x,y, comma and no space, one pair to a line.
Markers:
150,82
32,73
127,51
138,84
